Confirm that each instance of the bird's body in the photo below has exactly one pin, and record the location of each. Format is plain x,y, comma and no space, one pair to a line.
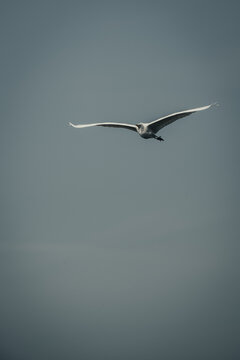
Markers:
148,130
144,131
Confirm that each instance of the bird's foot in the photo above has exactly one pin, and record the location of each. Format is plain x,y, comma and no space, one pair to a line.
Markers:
160,138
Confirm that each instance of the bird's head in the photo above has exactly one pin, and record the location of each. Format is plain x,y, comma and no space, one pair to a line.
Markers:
139,126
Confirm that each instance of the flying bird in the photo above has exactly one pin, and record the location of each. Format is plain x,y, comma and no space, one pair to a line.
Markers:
148,130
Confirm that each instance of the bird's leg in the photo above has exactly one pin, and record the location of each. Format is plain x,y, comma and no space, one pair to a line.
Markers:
158,138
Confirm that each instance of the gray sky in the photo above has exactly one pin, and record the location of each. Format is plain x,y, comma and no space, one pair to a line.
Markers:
115,247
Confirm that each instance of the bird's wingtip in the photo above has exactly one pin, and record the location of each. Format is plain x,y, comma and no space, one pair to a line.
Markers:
215,104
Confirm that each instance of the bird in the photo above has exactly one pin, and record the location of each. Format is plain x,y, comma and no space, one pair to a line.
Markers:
148,130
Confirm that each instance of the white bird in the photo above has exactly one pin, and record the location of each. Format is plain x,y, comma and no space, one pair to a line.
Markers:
148,130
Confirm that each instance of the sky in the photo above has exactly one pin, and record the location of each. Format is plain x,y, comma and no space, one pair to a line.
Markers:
112,246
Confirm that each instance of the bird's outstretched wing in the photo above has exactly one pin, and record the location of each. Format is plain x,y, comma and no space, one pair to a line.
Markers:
158,124
107,124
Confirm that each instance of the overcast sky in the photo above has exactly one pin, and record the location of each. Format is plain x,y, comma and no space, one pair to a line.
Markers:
112,246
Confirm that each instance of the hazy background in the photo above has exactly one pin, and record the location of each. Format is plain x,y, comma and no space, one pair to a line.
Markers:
113,247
